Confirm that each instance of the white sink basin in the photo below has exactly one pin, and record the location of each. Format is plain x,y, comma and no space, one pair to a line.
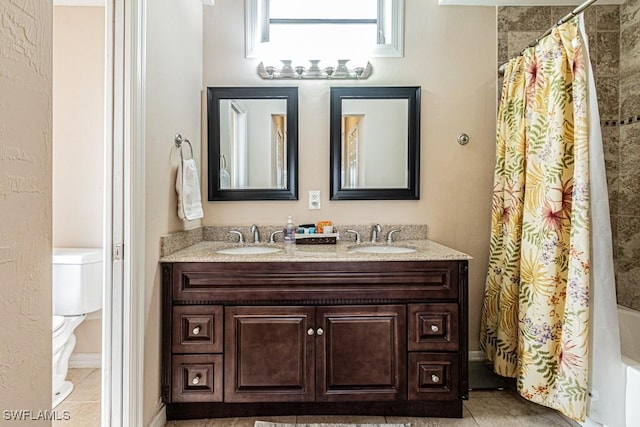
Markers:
370,249
249,250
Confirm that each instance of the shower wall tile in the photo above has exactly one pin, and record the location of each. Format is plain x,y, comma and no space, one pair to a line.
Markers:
503,47
614,240
503,19
608,97
608,53
628,177
526,18
558,12
630,52
630,98
630,146
610,143
629,192
608,18
518,40
591,19
628,268
629,13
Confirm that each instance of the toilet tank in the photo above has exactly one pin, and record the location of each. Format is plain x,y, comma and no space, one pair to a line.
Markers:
77,280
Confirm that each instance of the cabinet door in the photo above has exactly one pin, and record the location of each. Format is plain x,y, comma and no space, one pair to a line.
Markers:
269,354
361,353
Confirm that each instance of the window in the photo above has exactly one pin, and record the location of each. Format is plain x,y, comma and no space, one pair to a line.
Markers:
324,28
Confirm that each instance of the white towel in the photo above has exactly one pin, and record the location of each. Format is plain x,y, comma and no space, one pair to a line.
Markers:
188,189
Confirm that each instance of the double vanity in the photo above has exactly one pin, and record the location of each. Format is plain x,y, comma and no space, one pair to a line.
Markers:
272,329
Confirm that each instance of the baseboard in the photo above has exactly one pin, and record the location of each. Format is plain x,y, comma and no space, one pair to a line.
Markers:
85,360
476,356
160,419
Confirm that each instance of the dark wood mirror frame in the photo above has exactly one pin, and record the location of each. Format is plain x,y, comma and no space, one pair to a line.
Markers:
214,96
412,95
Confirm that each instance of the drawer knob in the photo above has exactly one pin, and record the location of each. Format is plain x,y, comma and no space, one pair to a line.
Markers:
196,379
434,328
319,331
310,331
196,330
435,378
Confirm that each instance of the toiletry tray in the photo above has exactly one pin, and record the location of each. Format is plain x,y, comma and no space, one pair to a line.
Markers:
317,239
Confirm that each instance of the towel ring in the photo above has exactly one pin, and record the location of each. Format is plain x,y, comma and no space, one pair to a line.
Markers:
179,140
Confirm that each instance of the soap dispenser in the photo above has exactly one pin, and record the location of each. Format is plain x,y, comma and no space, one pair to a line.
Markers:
290,231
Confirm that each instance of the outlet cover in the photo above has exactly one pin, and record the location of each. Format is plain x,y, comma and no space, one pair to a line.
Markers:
314,199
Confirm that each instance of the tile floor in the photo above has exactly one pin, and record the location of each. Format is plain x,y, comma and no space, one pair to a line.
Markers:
83,404
483,409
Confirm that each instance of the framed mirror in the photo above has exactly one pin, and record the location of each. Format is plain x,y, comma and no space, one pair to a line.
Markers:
252,143
375,143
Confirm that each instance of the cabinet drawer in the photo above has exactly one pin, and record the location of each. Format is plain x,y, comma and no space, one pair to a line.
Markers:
433,327
433,376
197,329
197,378
231,283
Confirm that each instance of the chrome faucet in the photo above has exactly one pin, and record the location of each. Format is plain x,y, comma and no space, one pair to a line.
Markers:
239,234
391,233
256,233
374,233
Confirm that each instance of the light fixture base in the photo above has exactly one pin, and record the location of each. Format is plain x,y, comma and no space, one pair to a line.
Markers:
314,72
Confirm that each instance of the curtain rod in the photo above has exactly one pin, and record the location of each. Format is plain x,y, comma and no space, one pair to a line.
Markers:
564,19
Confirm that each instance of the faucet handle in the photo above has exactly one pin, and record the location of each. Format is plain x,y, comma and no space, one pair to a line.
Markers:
356,234
391,233
240,236
272,237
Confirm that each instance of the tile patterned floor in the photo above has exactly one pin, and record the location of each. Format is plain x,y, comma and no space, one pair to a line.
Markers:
83,404
483,409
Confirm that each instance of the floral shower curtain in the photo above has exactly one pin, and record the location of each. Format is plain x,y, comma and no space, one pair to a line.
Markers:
535,317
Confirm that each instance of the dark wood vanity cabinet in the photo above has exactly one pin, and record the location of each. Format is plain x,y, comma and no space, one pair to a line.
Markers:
314,338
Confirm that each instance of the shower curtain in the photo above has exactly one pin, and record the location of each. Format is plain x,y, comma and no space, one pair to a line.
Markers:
535,317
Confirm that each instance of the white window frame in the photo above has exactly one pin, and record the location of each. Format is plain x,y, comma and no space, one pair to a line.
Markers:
394,29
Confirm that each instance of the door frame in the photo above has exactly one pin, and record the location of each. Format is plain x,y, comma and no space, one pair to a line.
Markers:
124,237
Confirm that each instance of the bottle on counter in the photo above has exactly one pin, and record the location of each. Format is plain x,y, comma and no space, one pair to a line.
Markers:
290,231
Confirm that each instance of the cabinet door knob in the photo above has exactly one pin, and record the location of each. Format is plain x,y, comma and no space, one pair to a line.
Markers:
434,328
196,330
435,378
196,379
310,331
319,331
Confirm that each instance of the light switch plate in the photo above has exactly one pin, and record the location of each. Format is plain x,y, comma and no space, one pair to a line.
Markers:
314,199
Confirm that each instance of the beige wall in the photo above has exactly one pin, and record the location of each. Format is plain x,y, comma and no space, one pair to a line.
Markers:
25,206
78,140
451,53
173,86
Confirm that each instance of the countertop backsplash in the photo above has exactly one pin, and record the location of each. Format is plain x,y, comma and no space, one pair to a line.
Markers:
183,239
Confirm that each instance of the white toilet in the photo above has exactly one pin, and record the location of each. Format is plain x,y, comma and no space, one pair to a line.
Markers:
77,290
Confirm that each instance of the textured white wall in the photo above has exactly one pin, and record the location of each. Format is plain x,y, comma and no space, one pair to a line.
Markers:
451,53
25,206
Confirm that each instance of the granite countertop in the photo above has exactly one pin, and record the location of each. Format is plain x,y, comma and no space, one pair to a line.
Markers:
206,251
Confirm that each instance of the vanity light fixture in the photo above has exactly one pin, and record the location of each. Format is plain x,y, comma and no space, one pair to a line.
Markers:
314,71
